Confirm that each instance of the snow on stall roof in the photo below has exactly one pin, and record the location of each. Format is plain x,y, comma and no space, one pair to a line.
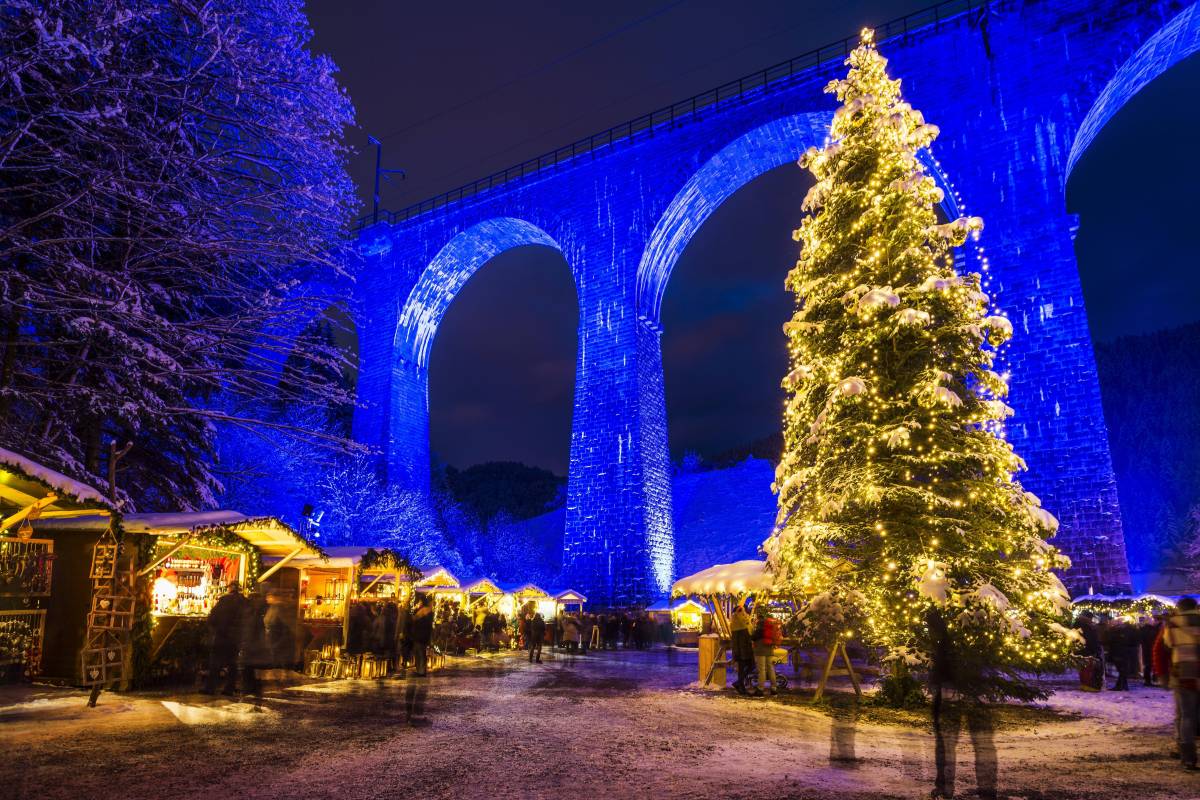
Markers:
270,535
1166,600
60,483
179,522
739,577
678,603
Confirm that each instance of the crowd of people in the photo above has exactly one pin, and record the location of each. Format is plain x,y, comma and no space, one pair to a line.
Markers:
754,639
1121,645
250,633
1163,649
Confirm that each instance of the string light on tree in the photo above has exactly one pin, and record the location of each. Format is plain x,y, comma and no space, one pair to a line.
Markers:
896,488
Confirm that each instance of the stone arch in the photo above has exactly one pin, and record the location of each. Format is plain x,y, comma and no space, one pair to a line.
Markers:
738,163
448,272
1173,42
419,317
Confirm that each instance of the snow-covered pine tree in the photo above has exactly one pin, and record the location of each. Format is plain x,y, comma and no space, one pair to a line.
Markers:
896,487
172,174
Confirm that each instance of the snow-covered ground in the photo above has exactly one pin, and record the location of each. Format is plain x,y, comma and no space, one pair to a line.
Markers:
611,725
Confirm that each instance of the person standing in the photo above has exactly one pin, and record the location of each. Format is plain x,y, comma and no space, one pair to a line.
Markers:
612,631
1147,633
587,623
1091,673
570,633
742,646
535,632
422,635
256,654
404,622
225,621
1182,636
1121,650
765,637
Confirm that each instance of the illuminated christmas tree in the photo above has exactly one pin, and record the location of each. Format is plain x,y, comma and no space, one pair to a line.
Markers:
896,488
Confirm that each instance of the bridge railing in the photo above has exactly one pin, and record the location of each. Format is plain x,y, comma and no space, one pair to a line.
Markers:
761,81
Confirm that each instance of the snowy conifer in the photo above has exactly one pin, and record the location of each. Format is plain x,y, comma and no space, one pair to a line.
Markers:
171,175
896,485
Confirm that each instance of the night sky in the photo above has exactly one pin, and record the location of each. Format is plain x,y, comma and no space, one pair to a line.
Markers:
457,95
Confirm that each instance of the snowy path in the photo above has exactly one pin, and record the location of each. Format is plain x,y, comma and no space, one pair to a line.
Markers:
614,725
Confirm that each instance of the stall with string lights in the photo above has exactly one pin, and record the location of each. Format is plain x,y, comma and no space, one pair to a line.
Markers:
31,492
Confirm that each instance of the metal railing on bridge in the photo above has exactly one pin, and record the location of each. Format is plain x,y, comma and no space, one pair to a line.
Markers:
776,76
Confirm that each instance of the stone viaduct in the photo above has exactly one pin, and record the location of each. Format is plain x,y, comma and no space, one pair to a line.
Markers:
1019,89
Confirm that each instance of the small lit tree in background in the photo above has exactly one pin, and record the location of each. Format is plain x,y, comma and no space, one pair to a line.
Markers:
896,488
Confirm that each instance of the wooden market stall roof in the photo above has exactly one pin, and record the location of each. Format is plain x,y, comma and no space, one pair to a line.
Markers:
270,535
273,538
438,577
483,586
525,590
29,490
738,578
569,596
678,604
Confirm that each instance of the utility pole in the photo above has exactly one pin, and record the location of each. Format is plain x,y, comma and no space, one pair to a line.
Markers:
380,172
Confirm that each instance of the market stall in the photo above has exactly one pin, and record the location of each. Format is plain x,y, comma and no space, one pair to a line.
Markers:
1124,605
179,565
441,584
724,587
30,612
337,592
685,615
569,601
528,596
198,556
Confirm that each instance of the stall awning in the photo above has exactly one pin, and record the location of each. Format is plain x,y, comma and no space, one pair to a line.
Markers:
483,586
31,490
570,596
680,604
271,536
438,577
1114,599
526,590
740,577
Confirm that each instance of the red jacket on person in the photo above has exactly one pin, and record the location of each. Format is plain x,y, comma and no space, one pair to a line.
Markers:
1161,655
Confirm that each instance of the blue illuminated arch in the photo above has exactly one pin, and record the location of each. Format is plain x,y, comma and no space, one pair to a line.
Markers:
446,275
1174,42
737,164
417,325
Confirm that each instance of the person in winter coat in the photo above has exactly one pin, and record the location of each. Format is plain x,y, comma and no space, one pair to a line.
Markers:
256,653
587,624
391,618
404,620
280,635
742,646
536,632
422,635
570,635
225,623
487,631
764,638
1182,636
1122,652
612,633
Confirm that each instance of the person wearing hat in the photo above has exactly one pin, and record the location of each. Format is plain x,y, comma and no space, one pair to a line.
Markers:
225,623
